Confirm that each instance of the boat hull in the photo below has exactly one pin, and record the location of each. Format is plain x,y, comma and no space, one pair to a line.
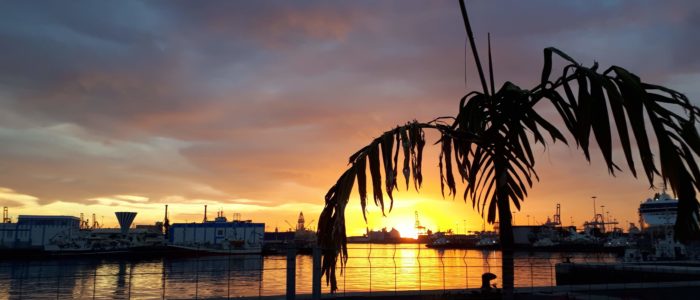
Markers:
205,250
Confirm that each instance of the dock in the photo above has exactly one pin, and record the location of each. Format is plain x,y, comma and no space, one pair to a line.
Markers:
642,272
658,290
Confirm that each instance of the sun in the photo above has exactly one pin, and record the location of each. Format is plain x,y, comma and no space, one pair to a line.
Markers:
407,230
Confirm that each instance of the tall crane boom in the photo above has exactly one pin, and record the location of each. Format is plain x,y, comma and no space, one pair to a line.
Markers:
420,229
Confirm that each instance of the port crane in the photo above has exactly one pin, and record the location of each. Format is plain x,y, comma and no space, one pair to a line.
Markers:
555,221
311,223
599,220
95,224
290,225
166,222
420,229
84,223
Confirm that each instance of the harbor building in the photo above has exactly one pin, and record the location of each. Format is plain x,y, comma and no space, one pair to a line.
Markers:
35,232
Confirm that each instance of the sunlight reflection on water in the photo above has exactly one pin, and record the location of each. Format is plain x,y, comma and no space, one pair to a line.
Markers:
369,268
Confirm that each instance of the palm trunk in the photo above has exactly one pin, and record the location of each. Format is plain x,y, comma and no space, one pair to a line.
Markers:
505,229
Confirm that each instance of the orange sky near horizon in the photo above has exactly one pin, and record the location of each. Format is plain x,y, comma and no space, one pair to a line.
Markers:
557,185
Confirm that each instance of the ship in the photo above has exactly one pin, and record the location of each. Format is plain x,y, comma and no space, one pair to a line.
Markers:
656,241
488,241
382,236
217,237
659,210
44,236
449,240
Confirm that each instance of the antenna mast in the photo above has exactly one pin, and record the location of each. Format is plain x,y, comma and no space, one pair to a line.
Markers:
205,212
166,221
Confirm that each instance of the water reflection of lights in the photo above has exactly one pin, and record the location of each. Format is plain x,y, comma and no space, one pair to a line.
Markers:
369,267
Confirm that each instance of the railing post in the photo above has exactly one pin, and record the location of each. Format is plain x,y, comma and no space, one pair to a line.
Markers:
466,270
228,276
196,275
442,262
21,278
58,280
393,259
420,271
532,277
131,270
94,282
369,261
163,281
316,274
291,273
260,282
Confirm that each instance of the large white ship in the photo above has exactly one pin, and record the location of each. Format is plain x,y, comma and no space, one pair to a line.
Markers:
659,210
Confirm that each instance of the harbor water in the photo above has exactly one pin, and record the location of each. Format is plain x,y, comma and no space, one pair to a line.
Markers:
370,268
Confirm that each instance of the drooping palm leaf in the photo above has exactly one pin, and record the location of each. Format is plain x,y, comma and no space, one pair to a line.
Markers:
489,143
410,138
631,101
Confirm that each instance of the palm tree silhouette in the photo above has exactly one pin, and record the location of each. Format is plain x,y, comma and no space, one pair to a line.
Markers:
488,143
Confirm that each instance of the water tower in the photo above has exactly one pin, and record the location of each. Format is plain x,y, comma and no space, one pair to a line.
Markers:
125,219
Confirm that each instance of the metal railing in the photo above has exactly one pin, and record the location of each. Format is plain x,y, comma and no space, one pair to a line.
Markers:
371,269
390,269
196,278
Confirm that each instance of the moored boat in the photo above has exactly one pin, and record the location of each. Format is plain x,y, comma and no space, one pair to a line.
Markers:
217,237
659,210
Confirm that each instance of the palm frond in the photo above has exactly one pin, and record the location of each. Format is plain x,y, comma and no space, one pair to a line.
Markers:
632,101
409,138
489,143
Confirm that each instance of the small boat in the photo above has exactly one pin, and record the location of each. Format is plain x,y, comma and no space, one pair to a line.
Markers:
488,241
619,242
442,240
544,243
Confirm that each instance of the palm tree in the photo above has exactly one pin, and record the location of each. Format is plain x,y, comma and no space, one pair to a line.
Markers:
488,142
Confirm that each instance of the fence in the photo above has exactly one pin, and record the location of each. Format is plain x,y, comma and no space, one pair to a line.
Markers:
371,269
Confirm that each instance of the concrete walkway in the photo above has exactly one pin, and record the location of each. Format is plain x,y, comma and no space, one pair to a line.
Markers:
642,291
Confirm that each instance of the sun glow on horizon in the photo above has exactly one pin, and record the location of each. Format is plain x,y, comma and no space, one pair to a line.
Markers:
407,231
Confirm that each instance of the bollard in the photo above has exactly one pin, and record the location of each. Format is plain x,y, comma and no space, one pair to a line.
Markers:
291,273
316,275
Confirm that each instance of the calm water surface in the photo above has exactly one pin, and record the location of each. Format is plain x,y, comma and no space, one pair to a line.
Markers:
369,268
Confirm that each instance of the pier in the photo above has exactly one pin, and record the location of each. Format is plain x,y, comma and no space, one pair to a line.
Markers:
606,273
668,290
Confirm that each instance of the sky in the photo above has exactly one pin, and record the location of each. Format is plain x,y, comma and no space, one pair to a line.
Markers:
254,107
